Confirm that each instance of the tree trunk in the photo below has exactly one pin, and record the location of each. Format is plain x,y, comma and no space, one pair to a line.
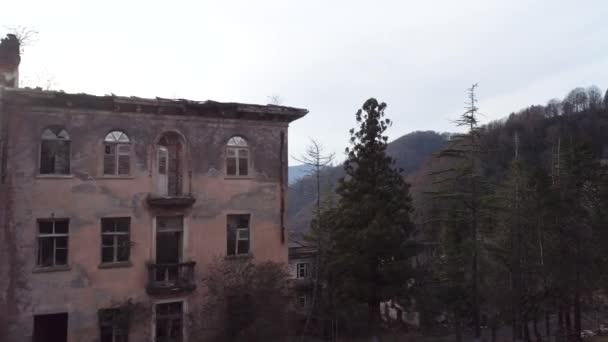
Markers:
561,328
547,323
568,320
577,312
373,318
536,331
458,331
526,329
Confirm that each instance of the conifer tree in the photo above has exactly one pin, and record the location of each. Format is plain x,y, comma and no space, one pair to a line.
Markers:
462,187
371,228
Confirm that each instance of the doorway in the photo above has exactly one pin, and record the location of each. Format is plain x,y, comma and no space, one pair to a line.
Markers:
170,165
51,328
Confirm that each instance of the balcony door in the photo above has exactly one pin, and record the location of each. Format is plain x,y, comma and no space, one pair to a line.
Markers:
170,165
169,247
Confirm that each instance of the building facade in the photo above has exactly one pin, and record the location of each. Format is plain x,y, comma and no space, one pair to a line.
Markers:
107,201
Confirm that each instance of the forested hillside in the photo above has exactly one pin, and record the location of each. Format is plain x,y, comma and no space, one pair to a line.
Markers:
410,152
516,214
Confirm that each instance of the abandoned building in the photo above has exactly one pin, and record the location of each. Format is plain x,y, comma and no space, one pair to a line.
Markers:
107,200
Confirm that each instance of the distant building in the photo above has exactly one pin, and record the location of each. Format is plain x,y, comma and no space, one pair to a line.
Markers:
302,262
106,201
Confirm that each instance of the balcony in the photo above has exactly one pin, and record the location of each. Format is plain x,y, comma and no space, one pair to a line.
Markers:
181,201
302,284
171,278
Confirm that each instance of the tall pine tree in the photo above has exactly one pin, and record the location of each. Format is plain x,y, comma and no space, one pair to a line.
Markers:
369,238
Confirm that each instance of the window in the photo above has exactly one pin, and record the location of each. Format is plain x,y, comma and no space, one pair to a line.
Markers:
52,242
169,322
302,269
113,325
302,301
238,234
115,239
55,152
117,154
237,157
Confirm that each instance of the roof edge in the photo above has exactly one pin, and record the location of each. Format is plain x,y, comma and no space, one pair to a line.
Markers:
60,99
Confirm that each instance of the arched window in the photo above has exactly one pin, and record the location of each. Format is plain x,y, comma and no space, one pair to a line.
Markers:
237,157
55,152
117,154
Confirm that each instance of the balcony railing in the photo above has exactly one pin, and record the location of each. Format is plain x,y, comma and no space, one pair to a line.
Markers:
171,278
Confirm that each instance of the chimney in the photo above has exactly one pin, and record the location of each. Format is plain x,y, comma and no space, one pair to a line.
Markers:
9,61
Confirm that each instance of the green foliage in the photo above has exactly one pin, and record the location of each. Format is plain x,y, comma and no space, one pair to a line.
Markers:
371,226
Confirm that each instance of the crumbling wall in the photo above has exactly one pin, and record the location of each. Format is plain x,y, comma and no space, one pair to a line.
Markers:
86,196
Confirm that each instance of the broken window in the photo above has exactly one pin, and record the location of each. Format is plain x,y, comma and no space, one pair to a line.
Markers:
113,325
169,322
237,157
238,234
117,154
302,269
115,239
55,152
52,242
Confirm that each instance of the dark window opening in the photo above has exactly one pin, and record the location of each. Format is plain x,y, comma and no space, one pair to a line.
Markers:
169,322
52,242
51,328
115,239
55,152
113,325
238,234
169,244
302,269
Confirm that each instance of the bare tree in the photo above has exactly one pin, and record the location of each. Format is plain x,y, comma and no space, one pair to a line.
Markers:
595,97
315,157
275,99
42,79
243,301
26,35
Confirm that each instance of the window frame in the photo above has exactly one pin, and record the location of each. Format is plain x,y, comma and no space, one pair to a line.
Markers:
116,144
115,244
235,149
182,317
237,238
306,269
54,237
56,131
119,326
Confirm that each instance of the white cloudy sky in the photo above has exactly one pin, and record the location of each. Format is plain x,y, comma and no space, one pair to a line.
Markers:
328,56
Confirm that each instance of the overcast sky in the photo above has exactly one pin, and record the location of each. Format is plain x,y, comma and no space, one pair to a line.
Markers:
324,55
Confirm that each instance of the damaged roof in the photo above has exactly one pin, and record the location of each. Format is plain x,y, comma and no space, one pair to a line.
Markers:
29,97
